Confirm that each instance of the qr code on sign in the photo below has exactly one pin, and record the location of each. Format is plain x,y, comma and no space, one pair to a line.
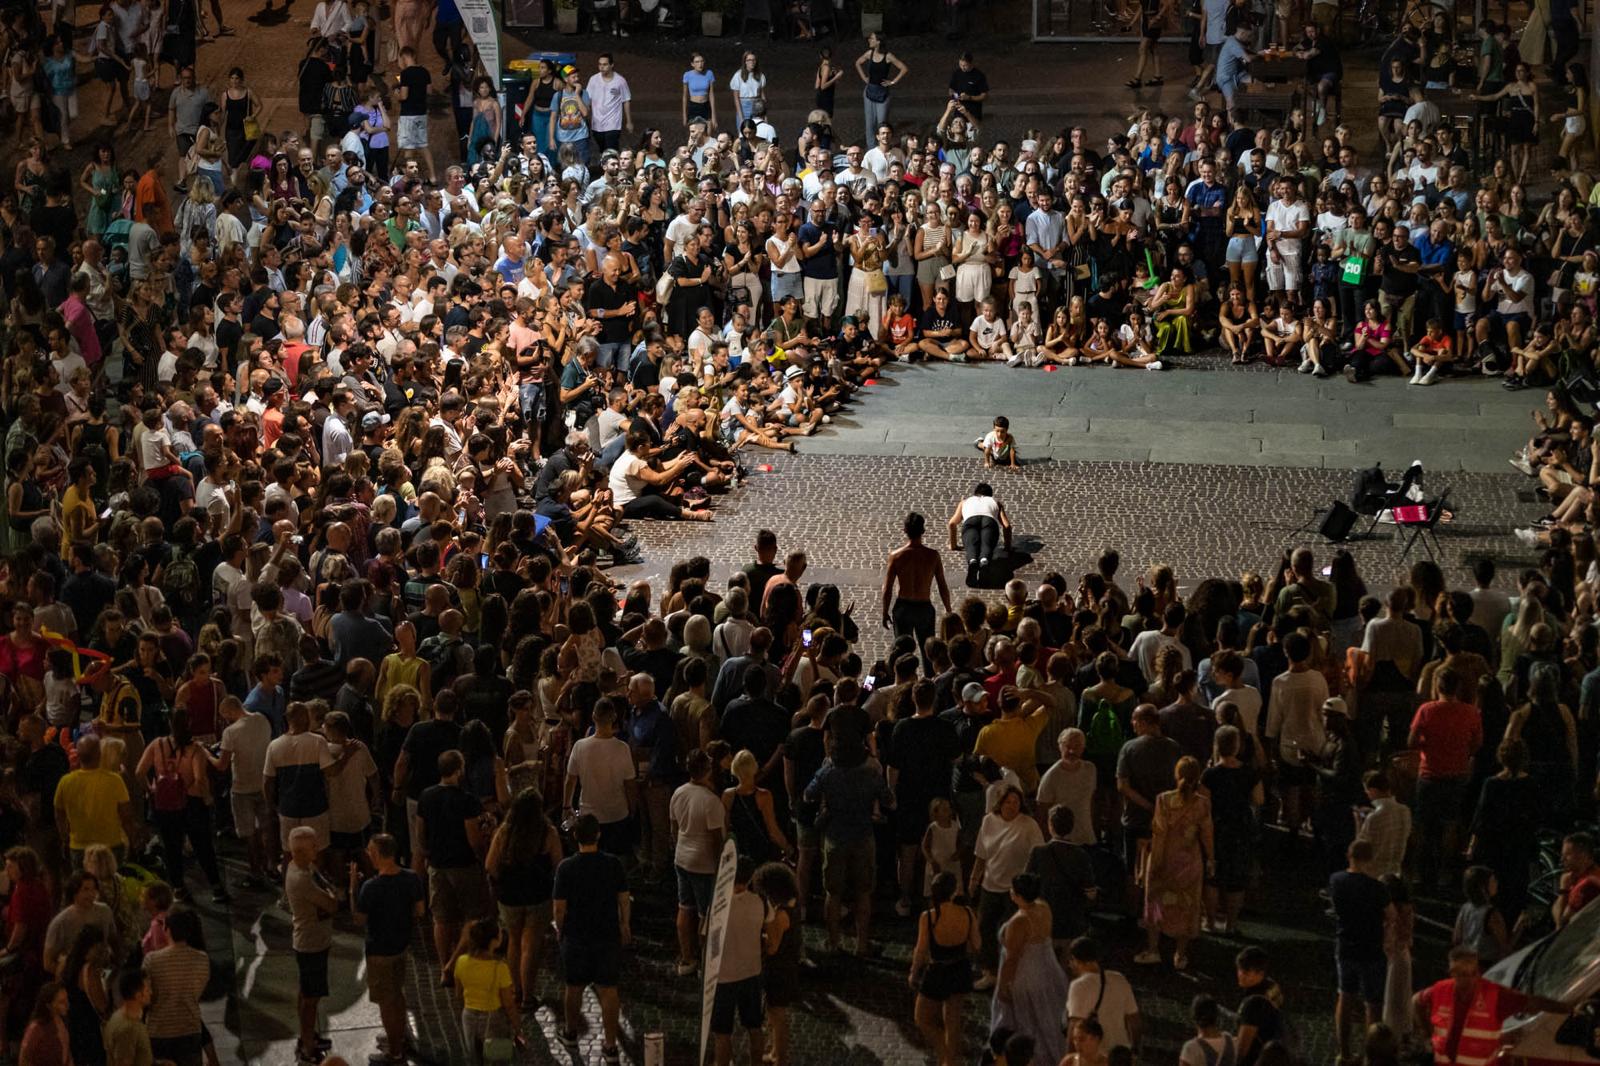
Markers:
480,24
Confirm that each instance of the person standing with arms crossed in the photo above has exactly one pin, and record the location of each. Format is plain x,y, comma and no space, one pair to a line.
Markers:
915,567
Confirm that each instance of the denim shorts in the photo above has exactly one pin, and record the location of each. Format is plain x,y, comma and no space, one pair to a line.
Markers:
695,890
786,285
1242,250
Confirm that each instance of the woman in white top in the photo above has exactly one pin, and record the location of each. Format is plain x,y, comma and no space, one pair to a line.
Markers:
783,253
980,522
974,276
1005,840
749,87
931,249
868,291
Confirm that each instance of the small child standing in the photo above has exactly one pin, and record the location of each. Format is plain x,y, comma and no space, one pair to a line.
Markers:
141,86
999,446
940,853
1025,338
1465,285
157,901
61,705
157,459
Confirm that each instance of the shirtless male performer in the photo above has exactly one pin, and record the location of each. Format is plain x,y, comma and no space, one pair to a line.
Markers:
916,566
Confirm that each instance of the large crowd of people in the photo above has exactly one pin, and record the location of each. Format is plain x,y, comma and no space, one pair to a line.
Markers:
323,440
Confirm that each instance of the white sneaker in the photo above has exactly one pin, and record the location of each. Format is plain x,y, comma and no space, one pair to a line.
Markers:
1416,375
1527,537
1307,366
1156,365
1430,377
1523,465
827,420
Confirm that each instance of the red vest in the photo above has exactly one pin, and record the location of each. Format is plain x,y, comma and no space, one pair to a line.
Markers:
1480,1033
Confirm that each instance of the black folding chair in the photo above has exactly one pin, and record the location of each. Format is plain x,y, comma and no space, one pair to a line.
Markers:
1395,496
1422,527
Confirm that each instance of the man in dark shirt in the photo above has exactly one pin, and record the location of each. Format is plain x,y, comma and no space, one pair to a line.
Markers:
1261,1010
591,909
765,567
612,305
968,86
317,678
922,750
1144,771
753,722
87,592
1189,724
804,752
819,266
1360,907
1398,267
417,769
850,795
389,904
450,842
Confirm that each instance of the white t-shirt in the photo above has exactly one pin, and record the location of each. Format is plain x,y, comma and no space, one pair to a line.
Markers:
987,334
1248,700
602,765
1287,218
1004,848
151,444
749,87
348,809
1115,1005
606,97
247,741
679,230
697,812
625,482
1516,297
1075,789
1147,645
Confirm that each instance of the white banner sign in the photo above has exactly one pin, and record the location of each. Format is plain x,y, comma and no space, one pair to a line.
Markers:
716,928
485,34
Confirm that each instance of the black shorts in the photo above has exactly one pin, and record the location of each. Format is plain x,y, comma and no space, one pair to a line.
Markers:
349,841
313,967
590,964
741,999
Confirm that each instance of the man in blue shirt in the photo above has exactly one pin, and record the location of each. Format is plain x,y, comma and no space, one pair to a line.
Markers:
1436,298
267,697
1206,202
849,869
819,266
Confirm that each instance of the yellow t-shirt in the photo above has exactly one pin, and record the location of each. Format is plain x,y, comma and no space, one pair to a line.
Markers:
90,799
481,982
1010,742
70,503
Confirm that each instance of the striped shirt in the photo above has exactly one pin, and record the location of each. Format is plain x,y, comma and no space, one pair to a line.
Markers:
178,975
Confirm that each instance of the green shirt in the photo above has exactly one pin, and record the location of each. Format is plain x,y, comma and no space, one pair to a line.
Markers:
127,1041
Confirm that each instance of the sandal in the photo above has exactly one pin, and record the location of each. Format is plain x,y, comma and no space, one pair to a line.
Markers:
1133,83
1157,80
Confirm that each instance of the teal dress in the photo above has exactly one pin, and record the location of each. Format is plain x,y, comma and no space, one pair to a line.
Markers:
102,205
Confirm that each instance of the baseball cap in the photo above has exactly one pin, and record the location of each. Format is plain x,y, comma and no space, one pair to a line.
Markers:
1336,705
372,420
1029,145
271,386
973,693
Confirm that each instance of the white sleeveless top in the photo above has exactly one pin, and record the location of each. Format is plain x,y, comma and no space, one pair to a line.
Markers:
980,507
